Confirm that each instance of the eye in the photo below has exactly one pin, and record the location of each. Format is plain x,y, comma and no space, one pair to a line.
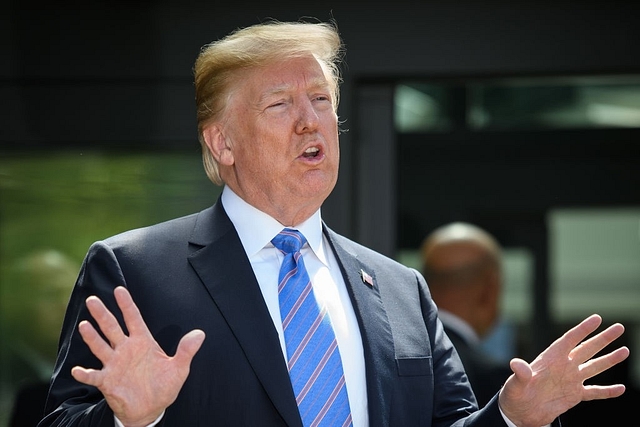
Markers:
322,101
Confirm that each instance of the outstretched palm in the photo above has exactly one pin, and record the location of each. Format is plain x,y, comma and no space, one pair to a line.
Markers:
553,383
138,379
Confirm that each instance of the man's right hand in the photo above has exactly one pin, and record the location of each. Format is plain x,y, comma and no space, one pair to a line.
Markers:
138,379
538,392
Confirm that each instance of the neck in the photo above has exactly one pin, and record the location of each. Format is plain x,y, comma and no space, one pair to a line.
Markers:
289,212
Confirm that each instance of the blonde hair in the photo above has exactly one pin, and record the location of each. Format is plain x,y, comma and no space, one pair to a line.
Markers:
219,62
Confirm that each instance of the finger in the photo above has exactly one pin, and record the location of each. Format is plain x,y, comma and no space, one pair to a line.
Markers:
106,320
596,392
189,346
598,365
91,377
98,346
577,334
595,344
130,312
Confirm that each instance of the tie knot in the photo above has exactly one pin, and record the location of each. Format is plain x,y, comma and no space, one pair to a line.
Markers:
289,241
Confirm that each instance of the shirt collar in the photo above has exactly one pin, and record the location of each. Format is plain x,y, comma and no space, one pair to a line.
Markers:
256,228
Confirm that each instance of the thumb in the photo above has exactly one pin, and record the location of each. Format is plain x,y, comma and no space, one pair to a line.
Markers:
189,346
522,370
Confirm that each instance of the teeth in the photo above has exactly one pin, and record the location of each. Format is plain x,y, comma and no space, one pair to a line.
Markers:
311,150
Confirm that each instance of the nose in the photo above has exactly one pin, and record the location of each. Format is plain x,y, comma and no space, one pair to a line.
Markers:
307,116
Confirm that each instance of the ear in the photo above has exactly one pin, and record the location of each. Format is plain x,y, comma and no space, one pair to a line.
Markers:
218,144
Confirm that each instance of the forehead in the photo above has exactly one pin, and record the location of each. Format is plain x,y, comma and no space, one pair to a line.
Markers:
284,75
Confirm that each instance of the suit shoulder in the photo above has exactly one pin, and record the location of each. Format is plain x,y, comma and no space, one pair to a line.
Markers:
161,237
368,255
150,246
163,230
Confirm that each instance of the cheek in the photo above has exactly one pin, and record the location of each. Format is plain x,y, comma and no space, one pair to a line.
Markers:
269,144
333,144
258,157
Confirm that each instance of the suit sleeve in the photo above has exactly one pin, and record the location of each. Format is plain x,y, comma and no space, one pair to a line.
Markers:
454,403
448,370
70,403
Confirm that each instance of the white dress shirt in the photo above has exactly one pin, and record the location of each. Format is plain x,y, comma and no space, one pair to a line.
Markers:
256,229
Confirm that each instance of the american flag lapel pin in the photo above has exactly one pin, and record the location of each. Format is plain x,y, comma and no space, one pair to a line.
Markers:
366,278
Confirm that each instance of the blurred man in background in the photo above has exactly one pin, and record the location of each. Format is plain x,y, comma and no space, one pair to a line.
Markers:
32,307
463,267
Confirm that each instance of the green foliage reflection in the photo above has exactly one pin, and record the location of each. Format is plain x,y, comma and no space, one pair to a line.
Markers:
52,207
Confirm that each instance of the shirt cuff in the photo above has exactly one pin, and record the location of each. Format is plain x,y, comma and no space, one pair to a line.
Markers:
508,421
157,420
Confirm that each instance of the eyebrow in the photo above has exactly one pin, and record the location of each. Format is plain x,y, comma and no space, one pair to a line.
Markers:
318,83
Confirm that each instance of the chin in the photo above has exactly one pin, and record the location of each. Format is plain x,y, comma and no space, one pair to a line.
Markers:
318,182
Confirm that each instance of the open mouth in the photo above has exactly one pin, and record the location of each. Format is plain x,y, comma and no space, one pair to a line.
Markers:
311,152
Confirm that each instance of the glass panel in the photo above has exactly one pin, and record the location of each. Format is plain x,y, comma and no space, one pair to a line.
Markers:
519,103
516,309
422,108
595,262
53,207
555,103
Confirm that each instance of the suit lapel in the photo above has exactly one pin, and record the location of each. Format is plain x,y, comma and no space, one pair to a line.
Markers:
375,330
226,272
223,267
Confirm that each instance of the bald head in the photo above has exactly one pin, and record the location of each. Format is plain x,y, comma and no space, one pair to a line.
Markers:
462,265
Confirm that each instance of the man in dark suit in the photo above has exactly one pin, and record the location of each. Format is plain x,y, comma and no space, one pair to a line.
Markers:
463,267
133,349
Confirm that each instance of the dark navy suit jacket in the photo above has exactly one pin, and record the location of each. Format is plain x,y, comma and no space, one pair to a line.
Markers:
192,272
486,374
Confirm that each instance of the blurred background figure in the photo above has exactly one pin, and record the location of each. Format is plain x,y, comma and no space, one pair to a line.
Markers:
32,306
463,268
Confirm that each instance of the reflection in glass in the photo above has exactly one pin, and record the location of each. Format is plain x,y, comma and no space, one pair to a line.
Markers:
555,103
53,206
422,108
519,103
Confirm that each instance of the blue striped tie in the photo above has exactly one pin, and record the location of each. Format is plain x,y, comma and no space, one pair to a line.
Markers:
313,357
